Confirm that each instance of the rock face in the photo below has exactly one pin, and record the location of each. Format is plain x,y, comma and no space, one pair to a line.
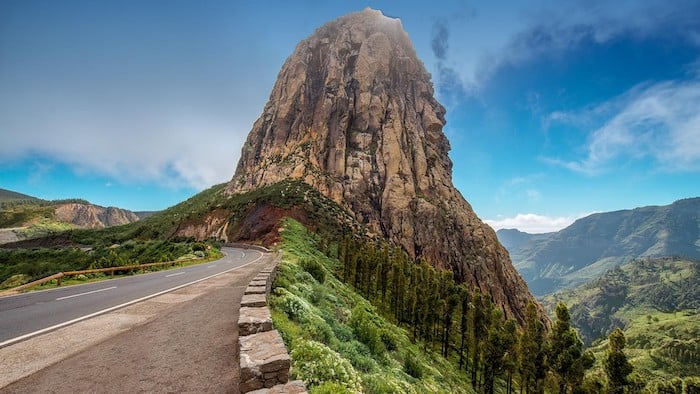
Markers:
353,114
93,216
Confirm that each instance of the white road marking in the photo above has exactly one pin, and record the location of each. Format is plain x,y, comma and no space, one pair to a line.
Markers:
175,274
81,318
211,266
86,293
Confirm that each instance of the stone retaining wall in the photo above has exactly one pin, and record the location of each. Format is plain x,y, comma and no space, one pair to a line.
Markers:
264,359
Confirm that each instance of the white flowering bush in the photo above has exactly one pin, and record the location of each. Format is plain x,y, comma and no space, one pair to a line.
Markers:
296,308
315,364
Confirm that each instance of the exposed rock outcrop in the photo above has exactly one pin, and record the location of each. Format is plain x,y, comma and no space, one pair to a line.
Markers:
93,216
353,114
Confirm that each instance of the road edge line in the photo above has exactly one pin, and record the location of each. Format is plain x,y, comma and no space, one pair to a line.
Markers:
113,308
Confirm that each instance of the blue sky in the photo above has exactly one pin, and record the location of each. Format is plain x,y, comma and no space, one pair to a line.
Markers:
556,109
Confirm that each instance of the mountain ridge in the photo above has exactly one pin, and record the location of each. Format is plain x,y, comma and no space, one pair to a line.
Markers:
598,242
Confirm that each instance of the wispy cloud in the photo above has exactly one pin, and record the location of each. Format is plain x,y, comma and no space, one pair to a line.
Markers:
193,150
518,34
652,122
532,223
439,40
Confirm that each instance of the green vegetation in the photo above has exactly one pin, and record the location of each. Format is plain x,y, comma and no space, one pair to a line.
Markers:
655,302
25,265
361,310
616,365
42,228
20,212
339,341
565,353
397,326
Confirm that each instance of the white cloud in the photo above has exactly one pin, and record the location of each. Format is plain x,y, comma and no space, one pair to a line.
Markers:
173,148
658,122
532,223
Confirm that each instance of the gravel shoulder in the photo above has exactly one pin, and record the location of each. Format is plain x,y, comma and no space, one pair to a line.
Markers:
183,341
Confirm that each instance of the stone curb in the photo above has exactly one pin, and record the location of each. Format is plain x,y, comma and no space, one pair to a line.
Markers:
264,360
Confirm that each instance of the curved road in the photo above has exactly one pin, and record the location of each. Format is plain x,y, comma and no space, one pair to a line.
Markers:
26,315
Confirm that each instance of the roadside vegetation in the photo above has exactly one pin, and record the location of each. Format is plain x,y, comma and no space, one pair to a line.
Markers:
19,266
338,340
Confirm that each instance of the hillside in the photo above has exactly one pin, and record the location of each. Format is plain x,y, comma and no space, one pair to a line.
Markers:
9,195
657,303
596,243
25,217
250,217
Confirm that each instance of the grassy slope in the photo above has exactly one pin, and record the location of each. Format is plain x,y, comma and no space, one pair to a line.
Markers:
657,303
316,321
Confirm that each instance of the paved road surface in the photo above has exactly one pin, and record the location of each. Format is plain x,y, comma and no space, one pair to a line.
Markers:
29,314
183,341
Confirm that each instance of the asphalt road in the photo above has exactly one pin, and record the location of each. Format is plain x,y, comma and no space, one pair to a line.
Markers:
25,315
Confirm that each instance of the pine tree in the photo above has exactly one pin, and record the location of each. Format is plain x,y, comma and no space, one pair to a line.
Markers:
464,327
566,357
616,365
531,352
478,332
452,301
510,358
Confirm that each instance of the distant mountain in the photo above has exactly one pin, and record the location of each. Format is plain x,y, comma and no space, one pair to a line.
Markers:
23,216
9,195
513,239
145,214
596,243
654,300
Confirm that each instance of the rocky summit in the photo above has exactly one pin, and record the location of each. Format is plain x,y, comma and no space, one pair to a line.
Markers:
353,114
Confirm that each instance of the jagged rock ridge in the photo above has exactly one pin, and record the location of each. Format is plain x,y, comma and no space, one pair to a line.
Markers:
93,216
353,114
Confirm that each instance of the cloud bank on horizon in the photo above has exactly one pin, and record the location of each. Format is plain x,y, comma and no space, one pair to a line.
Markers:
168,98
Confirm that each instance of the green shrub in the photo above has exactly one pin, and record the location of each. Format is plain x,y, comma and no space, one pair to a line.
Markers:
366,330
316,364
330,388
378,384
318,330
412,366
389,339
293,306
359,355
314,268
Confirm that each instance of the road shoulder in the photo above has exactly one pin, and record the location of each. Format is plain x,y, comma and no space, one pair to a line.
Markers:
181,341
